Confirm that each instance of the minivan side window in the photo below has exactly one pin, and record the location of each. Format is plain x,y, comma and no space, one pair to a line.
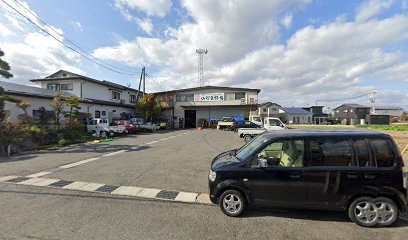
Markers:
382,152
331,152
362,151
284,153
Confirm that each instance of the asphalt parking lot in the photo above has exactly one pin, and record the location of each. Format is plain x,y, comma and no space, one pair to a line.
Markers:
170,160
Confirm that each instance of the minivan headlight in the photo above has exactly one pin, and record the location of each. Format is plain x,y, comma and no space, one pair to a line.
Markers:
212,175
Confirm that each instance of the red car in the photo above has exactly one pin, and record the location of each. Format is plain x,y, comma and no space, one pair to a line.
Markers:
130,127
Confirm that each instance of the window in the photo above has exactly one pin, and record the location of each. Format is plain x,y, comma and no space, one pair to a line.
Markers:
382,153
229,96
103,113
264,110
185,97
115,95
239,95
274,109
97,114
284,153
362,153
132,98
273,122
327,152
50,86
68,86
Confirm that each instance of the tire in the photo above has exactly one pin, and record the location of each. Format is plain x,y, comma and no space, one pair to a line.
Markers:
363,212
111,134
247,138
387,210
232,203
236,130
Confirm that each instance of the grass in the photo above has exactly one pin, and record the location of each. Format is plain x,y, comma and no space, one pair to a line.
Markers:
393,127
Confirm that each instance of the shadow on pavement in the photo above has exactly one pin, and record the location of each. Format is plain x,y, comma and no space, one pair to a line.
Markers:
314,215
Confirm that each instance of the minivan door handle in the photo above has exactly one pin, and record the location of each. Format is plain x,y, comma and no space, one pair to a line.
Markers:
294,175
352,175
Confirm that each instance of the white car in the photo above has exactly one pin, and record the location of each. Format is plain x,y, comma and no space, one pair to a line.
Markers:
269,124
101,125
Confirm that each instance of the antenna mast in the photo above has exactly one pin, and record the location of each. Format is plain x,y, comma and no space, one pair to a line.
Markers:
200,77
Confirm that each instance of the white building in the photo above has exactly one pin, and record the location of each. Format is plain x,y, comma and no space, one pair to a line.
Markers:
186,107
98,98
269,109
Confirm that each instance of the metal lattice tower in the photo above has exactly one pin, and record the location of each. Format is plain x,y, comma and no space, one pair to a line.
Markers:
200,77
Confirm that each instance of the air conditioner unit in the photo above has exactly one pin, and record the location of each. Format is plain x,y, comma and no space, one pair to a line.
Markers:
243,100
252,101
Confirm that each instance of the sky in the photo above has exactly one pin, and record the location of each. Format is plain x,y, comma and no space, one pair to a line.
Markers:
298,52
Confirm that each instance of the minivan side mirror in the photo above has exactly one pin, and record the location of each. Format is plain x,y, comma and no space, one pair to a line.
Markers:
262,162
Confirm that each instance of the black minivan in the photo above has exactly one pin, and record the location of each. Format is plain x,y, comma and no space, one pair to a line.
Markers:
359,172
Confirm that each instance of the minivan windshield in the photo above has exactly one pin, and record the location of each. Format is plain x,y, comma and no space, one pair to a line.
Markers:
245,151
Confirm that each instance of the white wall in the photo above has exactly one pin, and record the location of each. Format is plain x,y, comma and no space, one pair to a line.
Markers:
36,103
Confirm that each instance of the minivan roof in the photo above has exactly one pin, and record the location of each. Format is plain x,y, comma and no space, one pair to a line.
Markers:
323,133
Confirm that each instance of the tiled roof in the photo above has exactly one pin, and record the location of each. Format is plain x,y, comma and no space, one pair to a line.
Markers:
294,110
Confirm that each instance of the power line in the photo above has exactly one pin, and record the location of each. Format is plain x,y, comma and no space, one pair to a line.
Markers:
72,42
341,100
111,68
154,80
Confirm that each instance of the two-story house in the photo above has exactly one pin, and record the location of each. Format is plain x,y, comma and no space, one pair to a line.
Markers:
352,114
318,116
269,109
185,107
104,99
99,99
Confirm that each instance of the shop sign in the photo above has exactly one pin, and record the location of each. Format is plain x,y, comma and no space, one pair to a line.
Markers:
209,97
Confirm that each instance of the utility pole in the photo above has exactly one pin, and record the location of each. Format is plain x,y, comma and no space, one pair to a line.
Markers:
200,77
142,78
372,100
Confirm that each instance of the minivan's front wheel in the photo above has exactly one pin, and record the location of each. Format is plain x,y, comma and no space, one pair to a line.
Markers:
387,211
232,203
364,212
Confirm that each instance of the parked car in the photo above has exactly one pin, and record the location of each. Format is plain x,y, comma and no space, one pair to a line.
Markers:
359,172
130,127
270,124
243,124
145,127
102,125
226,123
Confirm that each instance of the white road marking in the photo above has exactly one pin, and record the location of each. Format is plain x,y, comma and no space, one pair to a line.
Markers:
45,182
75,185
151,142
186,197
78,163
91,187
203,198
148,193
31,181
6,178
114,153
36,175
127,191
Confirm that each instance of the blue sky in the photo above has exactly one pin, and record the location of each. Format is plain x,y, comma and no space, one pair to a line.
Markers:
296,51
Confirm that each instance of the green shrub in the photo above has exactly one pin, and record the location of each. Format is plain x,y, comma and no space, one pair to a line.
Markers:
64,142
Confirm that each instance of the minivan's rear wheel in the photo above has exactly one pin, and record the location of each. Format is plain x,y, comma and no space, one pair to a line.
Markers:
247,138
387,211
364,212
232,203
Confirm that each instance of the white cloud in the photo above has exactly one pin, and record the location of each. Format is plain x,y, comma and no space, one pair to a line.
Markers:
78,26
157,8
287,20
32,54
5,31
371,8
335,59
146,25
